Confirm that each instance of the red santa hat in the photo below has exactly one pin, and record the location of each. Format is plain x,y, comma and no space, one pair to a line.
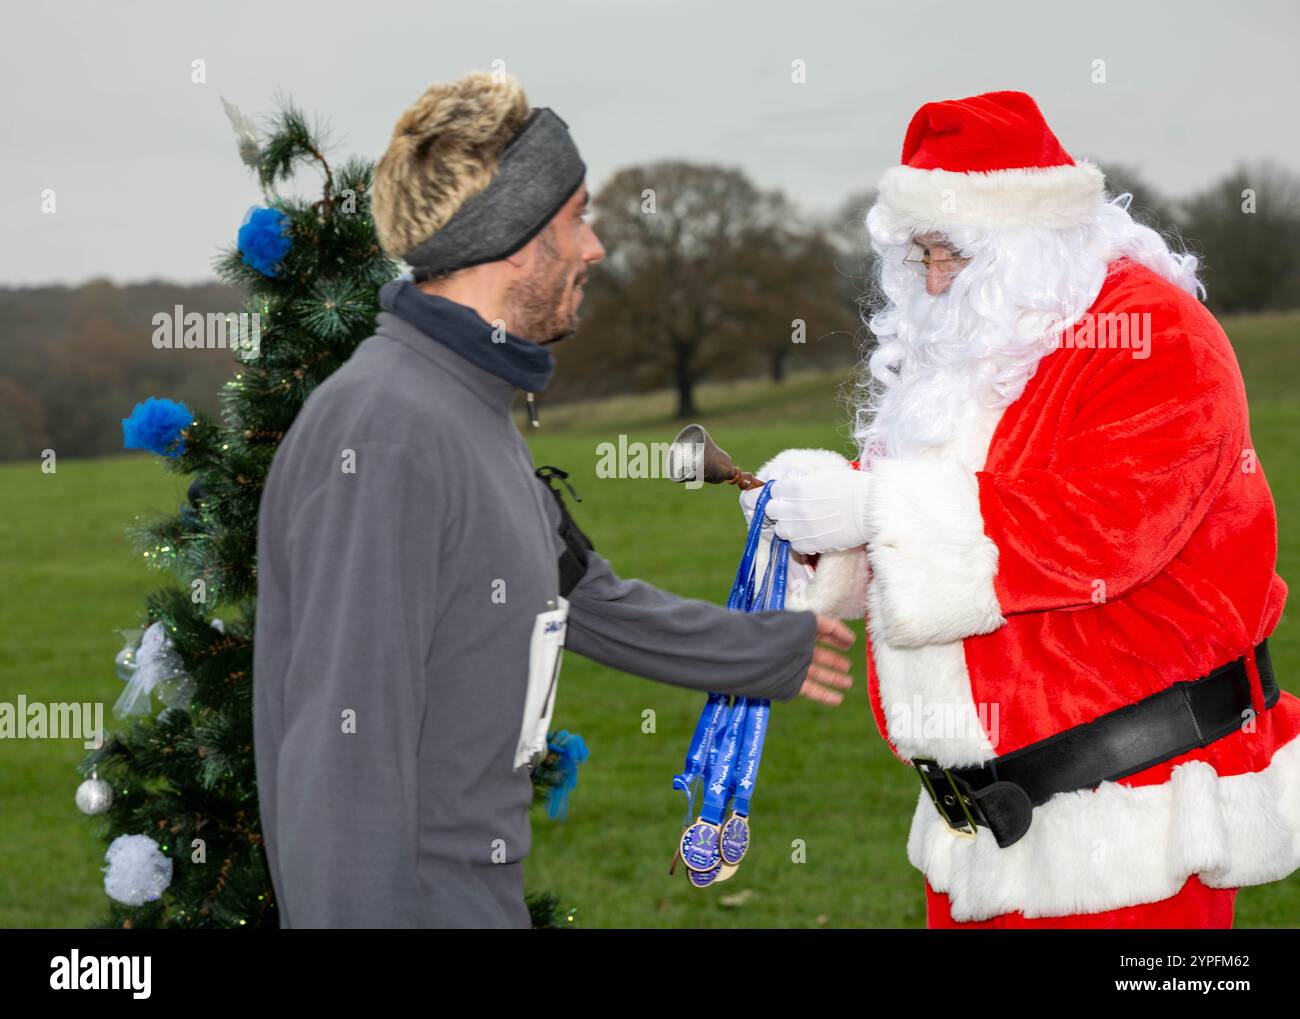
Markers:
986,161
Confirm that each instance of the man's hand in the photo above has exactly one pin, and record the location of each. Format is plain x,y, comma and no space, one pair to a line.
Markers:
829,672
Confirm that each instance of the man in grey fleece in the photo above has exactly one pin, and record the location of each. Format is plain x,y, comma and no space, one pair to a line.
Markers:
417,580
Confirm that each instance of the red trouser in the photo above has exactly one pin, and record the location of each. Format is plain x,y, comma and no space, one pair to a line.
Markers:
1194,906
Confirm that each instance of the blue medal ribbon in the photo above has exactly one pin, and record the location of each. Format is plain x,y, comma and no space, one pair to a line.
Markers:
751,754
760,708
707,729
745,775
727,745
717,790
713,720
733,841
743,586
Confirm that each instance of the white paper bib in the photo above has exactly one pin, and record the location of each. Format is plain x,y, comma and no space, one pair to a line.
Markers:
545,653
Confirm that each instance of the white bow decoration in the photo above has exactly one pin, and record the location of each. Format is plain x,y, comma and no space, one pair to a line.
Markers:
152,664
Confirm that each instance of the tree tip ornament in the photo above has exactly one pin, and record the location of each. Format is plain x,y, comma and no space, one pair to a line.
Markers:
250,145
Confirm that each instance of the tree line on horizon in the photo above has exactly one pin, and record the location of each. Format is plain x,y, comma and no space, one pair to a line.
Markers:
706,276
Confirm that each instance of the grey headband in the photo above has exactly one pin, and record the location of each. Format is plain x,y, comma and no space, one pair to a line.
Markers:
537,172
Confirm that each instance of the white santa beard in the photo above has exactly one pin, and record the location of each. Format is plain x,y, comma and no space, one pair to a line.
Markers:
940,359
956,360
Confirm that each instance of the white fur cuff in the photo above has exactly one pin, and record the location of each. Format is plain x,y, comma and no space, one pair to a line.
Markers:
794,462
838,587
932,562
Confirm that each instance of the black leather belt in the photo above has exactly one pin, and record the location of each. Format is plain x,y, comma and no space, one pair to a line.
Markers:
1001,794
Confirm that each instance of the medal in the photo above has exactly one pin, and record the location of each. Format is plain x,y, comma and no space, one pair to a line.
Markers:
700,847
732,844
727,743
703,880
701,843
734,839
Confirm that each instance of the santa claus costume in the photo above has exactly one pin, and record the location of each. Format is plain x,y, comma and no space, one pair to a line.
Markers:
1067,571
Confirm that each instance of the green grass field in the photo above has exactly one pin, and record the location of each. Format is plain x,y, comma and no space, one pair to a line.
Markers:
71,582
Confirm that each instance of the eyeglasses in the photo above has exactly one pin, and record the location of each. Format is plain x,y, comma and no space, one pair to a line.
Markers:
920,263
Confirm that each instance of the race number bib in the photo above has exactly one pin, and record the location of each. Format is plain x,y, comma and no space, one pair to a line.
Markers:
545,652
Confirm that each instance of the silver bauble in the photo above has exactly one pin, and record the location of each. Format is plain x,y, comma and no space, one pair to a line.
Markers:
94,796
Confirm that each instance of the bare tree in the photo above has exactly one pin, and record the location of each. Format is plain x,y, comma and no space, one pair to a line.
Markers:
854,259
1147,205
1246,227
704,274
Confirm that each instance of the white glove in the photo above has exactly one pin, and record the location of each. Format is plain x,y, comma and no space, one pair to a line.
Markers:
790,463
822,512
784,465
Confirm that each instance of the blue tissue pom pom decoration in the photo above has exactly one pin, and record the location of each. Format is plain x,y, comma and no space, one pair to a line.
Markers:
155,425
570,751
263,240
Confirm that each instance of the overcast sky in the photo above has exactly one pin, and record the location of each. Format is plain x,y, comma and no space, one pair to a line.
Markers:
99,103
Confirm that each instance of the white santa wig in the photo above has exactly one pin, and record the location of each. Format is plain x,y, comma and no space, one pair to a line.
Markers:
982,339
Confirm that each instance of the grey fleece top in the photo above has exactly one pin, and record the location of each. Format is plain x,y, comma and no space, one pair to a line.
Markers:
389,682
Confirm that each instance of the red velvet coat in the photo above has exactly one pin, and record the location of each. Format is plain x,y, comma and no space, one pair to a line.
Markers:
1106,535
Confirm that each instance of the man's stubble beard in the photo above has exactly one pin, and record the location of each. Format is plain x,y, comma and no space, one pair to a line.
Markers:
535,303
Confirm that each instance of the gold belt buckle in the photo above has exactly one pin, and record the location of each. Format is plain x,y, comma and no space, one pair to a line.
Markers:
954,798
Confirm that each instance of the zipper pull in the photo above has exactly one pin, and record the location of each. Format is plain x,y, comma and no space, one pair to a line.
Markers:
532,410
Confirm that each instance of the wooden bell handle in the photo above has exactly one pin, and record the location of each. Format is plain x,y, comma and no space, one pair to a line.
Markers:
745,481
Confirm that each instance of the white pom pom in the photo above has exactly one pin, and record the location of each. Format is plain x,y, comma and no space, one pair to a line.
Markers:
137,870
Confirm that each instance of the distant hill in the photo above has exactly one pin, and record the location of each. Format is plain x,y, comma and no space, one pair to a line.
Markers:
75,360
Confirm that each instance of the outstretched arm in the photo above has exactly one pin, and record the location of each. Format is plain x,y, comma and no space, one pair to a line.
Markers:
638,628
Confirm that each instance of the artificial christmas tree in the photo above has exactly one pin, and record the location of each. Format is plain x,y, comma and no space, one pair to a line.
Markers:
177,791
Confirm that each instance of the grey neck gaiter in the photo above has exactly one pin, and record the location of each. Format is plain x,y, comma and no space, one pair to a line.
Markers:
463,330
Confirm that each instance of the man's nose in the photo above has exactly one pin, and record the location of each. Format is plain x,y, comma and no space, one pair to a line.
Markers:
594,250
936,281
